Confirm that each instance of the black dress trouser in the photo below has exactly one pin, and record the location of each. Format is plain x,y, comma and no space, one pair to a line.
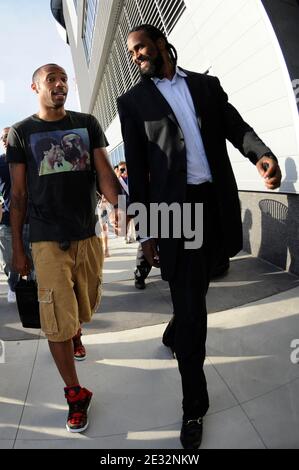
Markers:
188,290
143,267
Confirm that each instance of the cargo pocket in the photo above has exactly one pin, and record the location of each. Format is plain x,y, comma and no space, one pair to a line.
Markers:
98,296
47,311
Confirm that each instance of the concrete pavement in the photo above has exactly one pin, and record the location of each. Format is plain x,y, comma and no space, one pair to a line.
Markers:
253,384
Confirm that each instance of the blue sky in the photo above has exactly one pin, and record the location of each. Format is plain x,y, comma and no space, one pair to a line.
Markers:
29,38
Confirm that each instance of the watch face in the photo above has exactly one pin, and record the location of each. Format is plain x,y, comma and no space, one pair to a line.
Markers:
270,155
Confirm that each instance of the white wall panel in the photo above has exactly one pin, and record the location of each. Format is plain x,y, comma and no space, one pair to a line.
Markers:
252,69
113,134
73,19
282,141
228,33
270,117
260,92
246,46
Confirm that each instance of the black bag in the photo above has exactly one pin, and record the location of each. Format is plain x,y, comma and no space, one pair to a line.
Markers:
27,302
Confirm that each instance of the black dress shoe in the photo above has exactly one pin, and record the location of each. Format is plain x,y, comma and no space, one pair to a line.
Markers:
220,269
191,433
139,283
168,336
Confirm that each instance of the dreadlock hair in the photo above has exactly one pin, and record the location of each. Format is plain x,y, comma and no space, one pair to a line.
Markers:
154,34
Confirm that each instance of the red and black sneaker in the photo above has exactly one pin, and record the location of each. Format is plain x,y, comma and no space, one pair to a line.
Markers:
79,349
78,399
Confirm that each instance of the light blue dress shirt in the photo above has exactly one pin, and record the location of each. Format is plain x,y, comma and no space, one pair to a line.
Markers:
177,94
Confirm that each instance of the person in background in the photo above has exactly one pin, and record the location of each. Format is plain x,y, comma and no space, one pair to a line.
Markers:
143,267
1,207
103,211
123,179
116,170
5,228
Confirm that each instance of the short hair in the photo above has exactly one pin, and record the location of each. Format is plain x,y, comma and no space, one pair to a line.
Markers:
37,71
154,34
73,135
43,145
122,163
5,130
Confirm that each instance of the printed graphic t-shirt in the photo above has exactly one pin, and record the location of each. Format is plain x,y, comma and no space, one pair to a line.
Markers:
61,176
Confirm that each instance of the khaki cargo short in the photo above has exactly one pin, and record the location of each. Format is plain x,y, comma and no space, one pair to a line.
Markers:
69,285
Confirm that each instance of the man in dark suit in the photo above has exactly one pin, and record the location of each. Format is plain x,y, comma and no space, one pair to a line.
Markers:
175,124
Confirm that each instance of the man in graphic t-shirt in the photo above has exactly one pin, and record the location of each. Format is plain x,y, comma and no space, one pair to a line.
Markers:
61,195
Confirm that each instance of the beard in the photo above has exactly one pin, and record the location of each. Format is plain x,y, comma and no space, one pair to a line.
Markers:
72,154
153,68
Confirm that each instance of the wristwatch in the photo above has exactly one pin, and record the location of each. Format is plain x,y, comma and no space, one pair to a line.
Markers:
270,155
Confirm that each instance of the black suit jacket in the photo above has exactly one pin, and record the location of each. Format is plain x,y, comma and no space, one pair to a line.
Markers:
156,154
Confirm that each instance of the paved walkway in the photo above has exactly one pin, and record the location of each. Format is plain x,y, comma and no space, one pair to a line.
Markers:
254,386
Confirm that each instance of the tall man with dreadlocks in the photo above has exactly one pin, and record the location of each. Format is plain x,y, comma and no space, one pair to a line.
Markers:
175,124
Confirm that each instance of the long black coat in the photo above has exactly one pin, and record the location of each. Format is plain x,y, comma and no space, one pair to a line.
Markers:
156,154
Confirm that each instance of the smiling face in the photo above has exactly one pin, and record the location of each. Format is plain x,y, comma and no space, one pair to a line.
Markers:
146,54
51,86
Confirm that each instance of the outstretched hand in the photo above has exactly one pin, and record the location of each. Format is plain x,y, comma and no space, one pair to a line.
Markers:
150,251
118,220
270,171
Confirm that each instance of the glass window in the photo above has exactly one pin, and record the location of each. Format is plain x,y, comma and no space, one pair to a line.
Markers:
117,154
89,18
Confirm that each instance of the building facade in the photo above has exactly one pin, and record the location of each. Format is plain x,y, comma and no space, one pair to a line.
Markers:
251,45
